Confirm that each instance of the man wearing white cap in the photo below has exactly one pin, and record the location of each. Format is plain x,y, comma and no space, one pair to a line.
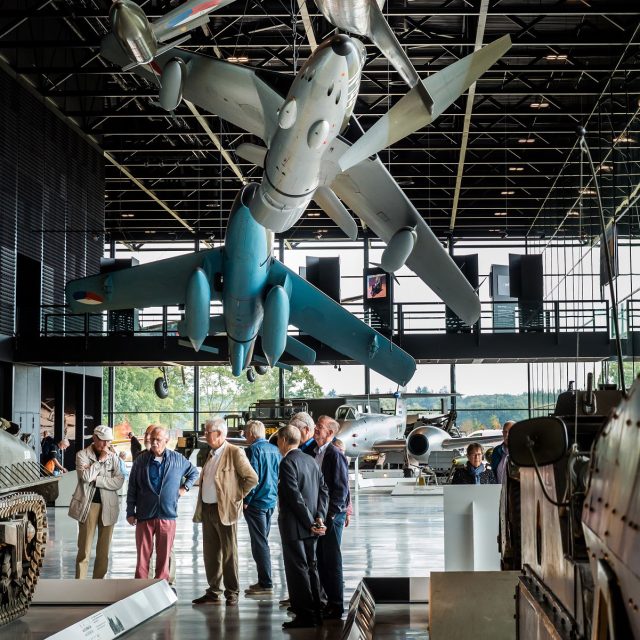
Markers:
95,502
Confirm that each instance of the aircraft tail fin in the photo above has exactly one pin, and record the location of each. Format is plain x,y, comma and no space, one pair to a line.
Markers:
401,403
411,114
329,202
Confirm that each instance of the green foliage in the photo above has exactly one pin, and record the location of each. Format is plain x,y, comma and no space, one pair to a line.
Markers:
610,374
220,393
476,411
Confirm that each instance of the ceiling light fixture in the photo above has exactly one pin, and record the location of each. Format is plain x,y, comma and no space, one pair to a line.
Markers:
573,214
539,105
526,140
556,56
507,193
500,213
588,192
240,59
623,138
516,168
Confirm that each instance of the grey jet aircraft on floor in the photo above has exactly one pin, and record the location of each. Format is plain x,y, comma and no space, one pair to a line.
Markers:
366,434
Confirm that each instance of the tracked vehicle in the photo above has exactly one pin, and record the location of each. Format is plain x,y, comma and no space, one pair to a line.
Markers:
23,521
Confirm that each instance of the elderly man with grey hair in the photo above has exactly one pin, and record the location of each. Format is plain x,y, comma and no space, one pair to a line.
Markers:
305,423
227,477
159,477
260,502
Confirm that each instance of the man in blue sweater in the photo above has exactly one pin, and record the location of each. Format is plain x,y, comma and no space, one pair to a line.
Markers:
159,477
260,502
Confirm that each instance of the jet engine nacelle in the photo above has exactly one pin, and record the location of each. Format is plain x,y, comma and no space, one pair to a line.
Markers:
399,249
173,77
423,440
133,31
195,325
275,324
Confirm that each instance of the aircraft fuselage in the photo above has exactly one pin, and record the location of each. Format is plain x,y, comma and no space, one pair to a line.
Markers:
246,262
360,435
318,105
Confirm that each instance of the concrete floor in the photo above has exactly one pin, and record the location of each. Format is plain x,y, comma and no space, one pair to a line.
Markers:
401,536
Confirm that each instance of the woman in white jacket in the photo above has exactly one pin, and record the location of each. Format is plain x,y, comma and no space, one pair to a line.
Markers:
95,502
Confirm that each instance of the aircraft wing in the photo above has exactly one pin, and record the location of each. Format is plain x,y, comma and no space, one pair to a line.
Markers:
389,446
370,191
148,285
459,443
186,17
246,101
318,315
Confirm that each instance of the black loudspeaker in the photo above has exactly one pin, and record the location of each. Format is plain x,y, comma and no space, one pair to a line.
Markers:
125,321
324,273
525,277
468,264
504,306
527,285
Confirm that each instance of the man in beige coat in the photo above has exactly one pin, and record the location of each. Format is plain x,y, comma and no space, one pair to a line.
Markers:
95,502
226,478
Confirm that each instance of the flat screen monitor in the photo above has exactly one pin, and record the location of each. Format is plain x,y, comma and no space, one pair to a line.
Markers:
377,286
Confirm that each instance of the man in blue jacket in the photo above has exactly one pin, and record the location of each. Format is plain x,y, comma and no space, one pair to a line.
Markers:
335,470
260,502
159,477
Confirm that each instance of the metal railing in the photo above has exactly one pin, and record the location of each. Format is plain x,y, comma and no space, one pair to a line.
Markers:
560,316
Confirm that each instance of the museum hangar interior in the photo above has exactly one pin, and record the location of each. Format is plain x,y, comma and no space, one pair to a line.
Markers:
93,166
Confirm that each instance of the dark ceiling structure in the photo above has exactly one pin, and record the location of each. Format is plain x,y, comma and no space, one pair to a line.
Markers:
502,163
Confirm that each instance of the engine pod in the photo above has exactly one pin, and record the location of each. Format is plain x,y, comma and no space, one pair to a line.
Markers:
173,76
398,249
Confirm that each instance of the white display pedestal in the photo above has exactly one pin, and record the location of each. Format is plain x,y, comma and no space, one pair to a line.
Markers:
471,517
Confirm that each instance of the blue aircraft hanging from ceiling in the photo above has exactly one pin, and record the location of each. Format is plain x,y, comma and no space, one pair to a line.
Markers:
259,295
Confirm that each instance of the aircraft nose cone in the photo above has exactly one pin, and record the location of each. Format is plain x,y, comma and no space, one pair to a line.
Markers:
341,45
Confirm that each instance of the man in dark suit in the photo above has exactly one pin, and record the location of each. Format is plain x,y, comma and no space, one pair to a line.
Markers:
335,470
302,501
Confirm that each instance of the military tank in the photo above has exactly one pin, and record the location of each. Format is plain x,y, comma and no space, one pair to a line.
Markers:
579,499
23,521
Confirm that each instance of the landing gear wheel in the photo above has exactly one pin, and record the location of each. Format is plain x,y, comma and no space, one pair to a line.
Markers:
251,375
161,387
26,513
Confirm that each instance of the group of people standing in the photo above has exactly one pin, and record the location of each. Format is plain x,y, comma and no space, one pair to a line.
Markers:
306,476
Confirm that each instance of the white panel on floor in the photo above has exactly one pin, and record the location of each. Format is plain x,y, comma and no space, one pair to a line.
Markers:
471,517
152,597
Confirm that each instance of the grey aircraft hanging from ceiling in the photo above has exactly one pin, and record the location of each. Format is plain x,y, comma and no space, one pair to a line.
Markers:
290,125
